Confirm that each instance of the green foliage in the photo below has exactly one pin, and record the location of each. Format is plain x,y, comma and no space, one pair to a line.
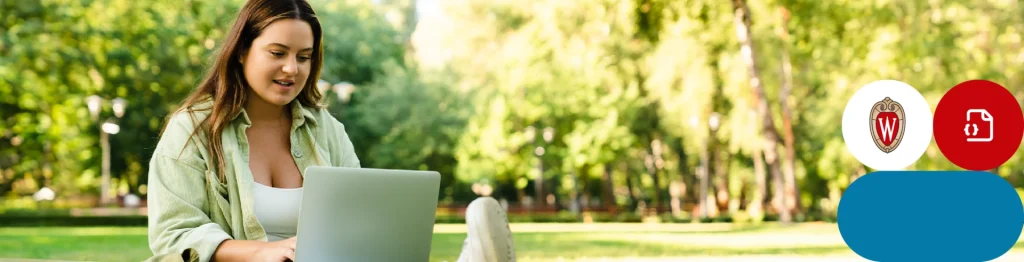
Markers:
626,88
152,53
357,41
56,53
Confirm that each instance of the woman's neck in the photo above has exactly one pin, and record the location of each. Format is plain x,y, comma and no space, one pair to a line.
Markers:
262,113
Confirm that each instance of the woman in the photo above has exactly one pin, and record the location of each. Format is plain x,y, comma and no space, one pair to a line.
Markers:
226,176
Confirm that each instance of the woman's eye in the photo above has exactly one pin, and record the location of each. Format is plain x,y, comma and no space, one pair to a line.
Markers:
303,58
277,54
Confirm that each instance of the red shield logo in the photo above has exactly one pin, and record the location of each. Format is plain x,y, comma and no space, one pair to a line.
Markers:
887,122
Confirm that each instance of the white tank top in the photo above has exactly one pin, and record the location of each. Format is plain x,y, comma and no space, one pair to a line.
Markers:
277,209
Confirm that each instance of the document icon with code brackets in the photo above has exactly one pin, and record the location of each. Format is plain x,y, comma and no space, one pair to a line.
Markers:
982,133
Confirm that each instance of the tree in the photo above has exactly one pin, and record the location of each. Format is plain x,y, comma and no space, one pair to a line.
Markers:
770,136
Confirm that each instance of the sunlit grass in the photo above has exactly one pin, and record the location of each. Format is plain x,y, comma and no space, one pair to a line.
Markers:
534,242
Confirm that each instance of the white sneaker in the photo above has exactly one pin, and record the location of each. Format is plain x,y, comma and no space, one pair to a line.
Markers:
488,238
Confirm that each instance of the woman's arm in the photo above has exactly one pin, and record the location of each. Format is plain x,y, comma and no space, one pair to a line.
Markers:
179,221
249,250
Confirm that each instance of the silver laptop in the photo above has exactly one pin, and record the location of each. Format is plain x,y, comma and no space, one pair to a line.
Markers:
362,214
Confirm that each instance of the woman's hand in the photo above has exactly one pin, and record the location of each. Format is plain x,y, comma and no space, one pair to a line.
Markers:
277,251
253,250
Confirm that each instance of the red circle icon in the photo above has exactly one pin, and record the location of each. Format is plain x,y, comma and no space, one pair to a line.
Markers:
978,125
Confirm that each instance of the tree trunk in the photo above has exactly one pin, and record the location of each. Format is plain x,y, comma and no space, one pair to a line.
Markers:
770,136
722,179
607,192
756,208
574,195
719,180
520,195
792,190
651,162
689,180
779,196
704,175
538,185
629,187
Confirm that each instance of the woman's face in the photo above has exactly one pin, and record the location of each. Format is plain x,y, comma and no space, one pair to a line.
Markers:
277,65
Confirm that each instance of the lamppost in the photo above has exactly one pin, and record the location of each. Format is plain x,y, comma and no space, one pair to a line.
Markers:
44,196
704,172
548,135
109,127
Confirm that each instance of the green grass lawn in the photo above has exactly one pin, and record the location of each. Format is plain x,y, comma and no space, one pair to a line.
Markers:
534,242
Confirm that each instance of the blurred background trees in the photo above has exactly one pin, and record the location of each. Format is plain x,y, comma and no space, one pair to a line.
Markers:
687,108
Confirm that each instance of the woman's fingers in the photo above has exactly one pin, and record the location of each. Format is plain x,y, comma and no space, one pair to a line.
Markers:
290,254
286,243
290,242
282,254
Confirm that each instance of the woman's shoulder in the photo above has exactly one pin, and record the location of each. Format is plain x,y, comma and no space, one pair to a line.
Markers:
183,131
186,120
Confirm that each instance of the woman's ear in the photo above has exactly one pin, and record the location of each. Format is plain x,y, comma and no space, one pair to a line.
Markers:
241,56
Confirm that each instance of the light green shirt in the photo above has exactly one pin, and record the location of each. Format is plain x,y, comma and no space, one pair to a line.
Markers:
191,212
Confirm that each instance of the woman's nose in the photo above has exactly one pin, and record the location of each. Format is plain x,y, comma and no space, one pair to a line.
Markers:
289,67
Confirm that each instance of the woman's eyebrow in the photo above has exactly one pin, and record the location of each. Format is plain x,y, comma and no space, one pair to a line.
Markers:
286,47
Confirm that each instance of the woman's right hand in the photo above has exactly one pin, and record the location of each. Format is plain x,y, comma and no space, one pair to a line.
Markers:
277,251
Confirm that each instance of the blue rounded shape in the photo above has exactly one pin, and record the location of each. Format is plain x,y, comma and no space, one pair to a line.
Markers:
930,216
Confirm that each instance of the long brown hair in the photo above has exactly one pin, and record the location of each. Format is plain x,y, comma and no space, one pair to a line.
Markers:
225,83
